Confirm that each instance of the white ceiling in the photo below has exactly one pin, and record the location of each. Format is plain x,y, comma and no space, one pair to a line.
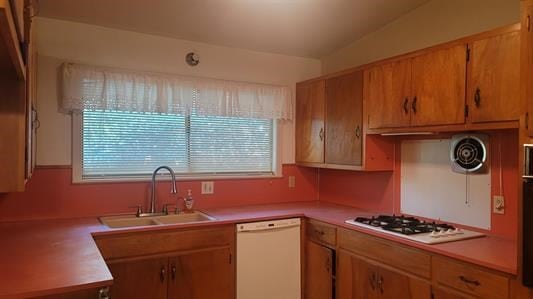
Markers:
306,28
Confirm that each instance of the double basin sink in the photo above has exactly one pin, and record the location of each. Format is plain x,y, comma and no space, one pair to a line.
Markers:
133,221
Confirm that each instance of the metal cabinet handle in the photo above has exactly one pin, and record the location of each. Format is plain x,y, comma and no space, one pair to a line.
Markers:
373,281
469,281
413,105
477,97
406,106
321,134
380,284
173,272
358,132
162,274
319,232
103,293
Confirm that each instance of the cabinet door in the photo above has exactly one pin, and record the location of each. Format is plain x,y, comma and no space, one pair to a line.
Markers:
439,80
202,275
318,271
494,79
344,125
387,93
527,59
139,279
356,279
310,113
440,293
392,285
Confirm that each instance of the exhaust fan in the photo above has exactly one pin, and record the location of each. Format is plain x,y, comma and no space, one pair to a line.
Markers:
468,153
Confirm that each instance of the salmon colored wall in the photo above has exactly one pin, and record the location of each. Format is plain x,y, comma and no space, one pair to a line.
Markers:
50,194
380,191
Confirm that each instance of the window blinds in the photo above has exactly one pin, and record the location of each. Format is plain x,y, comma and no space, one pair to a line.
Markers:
132,144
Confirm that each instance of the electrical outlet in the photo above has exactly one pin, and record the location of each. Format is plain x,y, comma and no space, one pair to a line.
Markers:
292,181
498,204
208,187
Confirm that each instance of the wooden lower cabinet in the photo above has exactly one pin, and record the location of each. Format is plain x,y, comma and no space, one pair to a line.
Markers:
319,269
146,278
189,263
359,278
202,275
441,293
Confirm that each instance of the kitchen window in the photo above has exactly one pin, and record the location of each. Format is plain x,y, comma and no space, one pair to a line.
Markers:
118,145
127,123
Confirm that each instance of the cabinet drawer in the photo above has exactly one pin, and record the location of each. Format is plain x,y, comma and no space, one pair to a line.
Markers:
386,252
135,244
470,279
321,232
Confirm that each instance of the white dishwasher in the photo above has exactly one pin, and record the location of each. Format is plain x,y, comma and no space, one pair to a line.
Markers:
268,260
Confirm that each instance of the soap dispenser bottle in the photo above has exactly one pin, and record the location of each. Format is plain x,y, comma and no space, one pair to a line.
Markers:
189,201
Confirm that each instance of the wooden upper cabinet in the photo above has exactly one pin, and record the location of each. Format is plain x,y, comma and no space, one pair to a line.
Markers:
387,92
202,275
318,271
344,124
438,87
494,79
309,127
527,61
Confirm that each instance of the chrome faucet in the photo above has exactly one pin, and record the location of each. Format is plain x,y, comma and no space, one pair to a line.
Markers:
172,190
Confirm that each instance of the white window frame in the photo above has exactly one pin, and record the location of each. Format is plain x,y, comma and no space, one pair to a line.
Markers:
77,168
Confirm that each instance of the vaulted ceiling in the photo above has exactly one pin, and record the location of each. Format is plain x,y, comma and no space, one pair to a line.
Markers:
306,28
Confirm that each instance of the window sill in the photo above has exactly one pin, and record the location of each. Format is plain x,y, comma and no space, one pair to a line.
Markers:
178,178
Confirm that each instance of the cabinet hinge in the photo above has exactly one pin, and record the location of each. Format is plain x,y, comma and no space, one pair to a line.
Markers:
466,110
230,258
467,53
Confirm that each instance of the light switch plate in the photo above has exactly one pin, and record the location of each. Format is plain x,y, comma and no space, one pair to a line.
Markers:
208,187
498,204
292,181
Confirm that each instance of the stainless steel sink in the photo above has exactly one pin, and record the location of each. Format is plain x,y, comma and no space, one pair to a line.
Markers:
133,221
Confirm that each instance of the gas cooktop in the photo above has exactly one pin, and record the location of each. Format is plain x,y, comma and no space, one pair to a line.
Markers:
414,229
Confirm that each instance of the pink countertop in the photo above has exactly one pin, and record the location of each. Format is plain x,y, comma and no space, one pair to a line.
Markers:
57,256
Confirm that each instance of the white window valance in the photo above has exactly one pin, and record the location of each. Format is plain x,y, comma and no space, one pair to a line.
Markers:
100,88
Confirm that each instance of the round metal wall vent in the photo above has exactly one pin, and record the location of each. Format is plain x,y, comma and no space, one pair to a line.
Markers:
468,153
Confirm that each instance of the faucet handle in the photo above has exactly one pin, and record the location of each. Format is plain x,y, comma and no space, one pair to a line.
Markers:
165,208
139,210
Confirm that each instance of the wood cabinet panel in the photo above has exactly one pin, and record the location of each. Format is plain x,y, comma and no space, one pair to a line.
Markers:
469,279
344,125
318,271
146,243
527,61
442,293
359,278
202,275
394,285
387,92
355,278
439,82
321,232
309,126
139,279
402,257
494,79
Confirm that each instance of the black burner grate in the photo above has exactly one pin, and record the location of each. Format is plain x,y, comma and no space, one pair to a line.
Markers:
403,225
